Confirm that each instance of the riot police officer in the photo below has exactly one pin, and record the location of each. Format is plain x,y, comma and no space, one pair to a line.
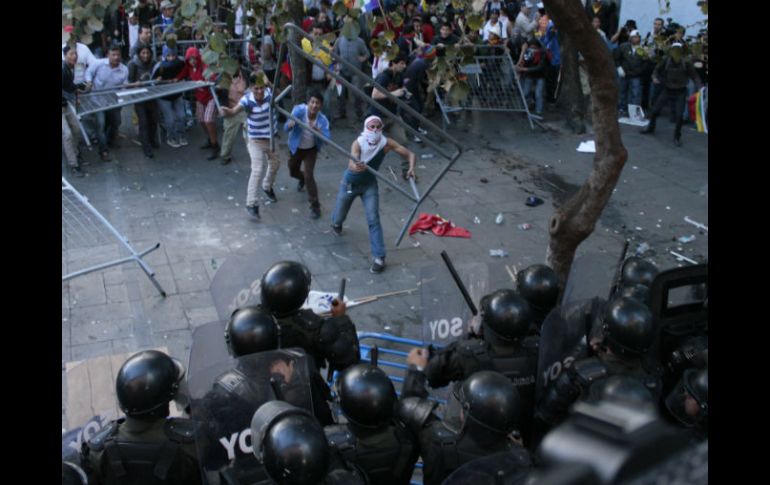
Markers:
146,446
373,438
627,333
284,288
504,346
539,285
253,329
293,449
491,409
688,402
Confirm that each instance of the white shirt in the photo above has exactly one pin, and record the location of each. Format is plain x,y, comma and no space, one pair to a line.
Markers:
85,59
379,65
133,35
498,28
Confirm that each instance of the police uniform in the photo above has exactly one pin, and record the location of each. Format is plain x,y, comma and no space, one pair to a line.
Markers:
134,451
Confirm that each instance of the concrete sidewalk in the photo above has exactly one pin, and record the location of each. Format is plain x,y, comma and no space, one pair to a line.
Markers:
196,209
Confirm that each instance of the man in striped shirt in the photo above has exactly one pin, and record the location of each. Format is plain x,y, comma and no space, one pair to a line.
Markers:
256,104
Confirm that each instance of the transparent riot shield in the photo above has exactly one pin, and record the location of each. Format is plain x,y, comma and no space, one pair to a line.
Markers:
445,314
224,398
589,276
73,439
208,347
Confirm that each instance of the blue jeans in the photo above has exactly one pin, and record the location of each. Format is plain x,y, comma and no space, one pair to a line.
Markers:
634,85
370,197
539,91
173,117
107,125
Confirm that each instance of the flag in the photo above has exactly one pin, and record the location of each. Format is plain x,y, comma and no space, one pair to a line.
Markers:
368,5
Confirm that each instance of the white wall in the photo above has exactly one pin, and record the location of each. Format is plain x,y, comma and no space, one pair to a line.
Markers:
683,12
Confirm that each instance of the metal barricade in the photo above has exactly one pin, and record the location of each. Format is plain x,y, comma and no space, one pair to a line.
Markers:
403,109
495,86
84,227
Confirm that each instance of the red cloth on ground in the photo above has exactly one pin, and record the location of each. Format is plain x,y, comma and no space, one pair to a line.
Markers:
439,226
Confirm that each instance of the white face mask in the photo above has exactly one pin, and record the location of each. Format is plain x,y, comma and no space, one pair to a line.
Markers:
372,137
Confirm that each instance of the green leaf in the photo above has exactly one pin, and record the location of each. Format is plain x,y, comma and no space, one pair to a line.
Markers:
339,9
392,52
188,8
224,82
354,13
217,42
458,4
209,71
98,11
251,21
371,23
95,24
178,21
459,91
396,19
475,22
209,57
351,30
229,66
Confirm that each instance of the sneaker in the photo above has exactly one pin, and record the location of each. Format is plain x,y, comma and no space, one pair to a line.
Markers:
253,210
417,139
422,132
77,172
105,156
226,160
270,195
183,141
337,229
378,265
300,185
315,212
173,143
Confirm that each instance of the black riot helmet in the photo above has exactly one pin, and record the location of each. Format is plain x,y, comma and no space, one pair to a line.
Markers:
251,329
688,401
367,396
697,384
628,327
147,381
622,390
505,316
490,402
638,271
72,474
290,443
637,292
285,286
539,285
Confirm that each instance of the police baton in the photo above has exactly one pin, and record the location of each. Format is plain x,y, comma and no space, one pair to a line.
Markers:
459,283
619,270
341,294
276,389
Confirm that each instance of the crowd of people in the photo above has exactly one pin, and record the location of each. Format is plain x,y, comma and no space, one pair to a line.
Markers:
661,66
527,367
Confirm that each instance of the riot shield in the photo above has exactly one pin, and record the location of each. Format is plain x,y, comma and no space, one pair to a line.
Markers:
236,283
509,467
564,328
445,314
589,276
224,398
72,440
208,347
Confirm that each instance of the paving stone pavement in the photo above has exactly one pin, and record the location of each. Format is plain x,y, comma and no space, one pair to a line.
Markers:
196,209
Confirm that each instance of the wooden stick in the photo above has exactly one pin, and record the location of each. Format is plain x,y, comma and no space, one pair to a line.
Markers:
510,273
391,293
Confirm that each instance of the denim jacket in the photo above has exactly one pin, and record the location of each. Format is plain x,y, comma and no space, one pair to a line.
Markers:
295,134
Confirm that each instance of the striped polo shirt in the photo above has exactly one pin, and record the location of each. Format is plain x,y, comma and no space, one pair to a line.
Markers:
258,115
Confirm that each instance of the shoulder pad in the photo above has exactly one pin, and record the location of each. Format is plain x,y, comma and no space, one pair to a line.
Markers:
181,430
414,412
441,433
97,442
339,437
309,318
590,370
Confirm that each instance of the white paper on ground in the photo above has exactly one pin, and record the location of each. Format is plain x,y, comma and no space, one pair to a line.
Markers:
587,147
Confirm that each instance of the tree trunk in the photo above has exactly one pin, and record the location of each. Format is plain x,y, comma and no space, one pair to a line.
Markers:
570,80
575,220
299,65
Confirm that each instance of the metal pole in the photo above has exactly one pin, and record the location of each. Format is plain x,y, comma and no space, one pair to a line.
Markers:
80,124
